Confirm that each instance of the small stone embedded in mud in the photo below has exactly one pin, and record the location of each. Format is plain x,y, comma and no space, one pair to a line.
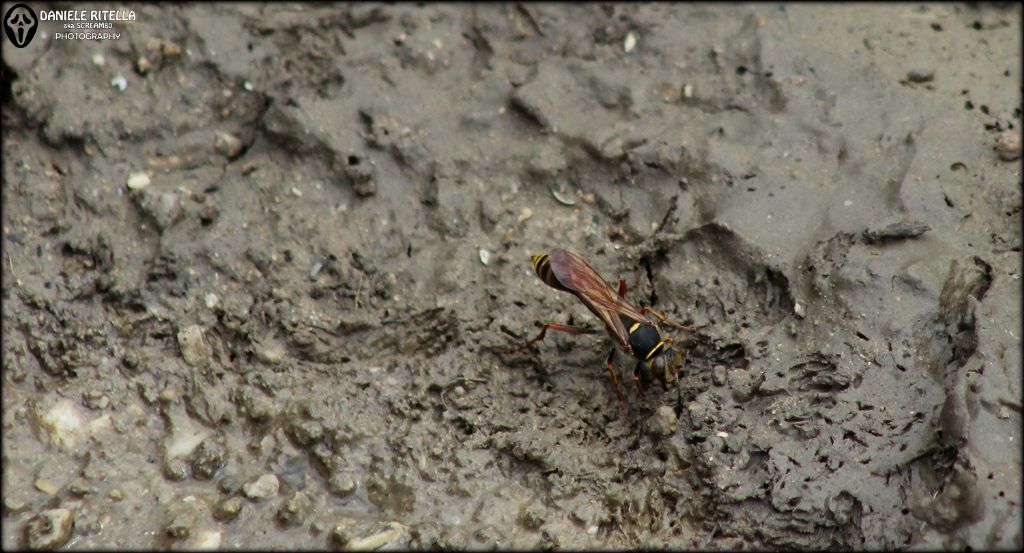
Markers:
229,508
65,424
49,529
204,540
920,75
211,300
1008,145
271,352
662,423
346,535
532,517
265,486
184,515
96,400
207,459
895,231
119,82
341,484
47,486
744,385
80,487
294,510
194,350
137,181
228,145
176,469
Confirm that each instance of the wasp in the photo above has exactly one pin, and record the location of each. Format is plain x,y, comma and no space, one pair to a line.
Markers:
632,329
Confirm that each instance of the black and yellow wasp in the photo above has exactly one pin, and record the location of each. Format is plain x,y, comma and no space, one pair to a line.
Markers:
631,328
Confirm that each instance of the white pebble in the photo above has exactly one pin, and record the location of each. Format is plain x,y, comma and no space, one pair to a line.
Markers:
98,59
485,256
64,424
211,300
266,486
630,42
137,181
119,82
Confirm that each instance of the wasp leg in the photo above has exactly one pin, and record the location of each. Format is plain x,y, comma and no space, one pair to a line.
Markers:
615,379
636,379
554,326
670,322
622,287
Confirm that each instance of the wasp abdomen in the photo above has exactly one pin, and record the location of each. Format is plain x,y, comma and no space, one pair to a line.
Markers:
542,266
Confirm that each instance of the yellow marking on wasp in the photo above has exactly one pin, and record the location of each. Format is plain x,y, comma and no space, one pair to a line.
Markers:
537,260
654,350
633,328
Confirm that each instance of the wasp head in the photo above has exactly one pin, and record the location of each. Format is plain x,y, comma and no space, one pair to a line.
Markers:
663,367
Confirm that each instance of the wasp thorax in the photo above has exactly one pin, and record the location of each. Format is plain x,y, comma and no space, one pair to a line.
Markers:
645,340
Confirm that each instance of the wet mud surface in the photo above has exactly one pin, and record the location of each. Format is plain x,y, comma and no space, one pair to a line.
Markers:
261,297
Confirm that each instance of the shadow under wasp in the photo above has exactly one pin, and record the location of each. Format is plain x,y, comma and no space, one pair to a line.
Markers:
631,328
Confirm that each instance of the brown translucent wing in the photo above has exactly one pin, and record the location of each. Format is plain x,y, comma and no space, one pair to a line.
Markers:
579,277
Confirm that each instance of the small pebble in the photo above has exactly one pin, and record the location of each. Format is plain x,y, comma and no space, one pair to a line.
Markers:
211,300
64,424
265,486
920,75
137,181
205,540
47,486
194,350
629,43
119,82
1008,145
228,145
181,524
341,484
229,508
485,256
663,422
525,214
799,310
98,59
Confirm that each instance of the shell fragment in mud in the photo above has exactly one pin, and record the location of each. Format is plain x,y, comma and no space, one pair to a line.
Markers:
49,529
342,536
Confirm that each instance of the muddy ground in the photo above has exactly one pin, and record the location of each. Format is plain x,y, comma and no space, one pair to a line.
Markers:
262,262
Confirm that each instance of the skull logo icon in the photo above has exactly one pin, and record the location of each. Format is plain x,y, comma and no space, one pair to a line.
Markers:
20,24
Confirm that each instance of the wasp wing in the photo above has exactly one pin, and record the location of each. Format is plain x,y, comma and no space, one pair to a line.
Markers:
579,277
